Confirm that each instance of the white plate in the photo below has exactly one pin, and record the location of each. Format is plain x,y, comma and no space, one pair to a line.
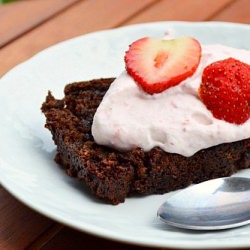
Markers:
27,169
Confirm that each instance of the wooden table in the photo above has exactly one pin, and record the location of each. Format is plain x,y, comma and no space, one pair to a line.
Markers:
27,27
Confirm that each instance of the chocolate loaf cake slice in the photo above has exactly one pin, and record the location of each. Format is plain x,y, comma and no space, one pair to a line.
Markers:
112,175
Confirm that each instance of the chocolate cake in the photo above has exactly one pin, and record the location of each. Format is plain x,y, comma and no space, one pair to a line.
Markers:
112,175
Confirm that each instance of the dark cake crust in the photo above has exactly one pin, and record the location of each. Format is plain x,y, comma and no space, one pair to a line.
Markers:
112,175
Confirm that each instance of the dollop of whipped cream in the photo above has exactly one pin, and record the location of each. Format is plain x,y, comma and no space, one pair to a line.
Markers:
175,120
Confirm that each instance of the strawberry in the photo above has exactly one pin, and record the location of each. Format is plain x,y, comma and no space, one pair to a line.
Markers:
157,64
225,90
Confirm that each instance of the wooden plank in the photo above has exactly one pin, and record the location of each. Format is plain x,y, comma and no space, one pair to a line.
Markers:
242,15
71,239
97,15
19,225
21,16
46,236
179,10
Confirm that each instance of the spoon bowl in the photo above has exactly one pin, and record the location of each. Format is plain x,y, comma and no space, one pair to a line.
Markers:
211,205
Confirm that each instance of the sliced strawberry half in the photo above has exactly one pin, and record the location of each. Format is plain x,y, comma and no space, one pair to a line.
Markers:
157,64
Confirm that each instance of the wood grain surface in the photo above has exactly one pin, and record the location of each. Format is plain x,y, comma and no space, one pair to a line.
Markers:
27,27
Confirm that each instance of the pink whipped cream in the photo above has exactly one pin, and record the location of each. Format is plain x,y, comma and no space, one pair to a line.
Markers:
175,120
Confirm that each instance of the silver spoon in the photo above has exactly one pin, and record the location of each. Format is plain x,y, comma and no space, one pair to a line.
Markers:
212,205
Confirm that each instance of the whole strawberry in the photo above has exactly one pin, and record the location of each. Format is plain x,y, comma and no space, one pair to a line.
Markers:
225,90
